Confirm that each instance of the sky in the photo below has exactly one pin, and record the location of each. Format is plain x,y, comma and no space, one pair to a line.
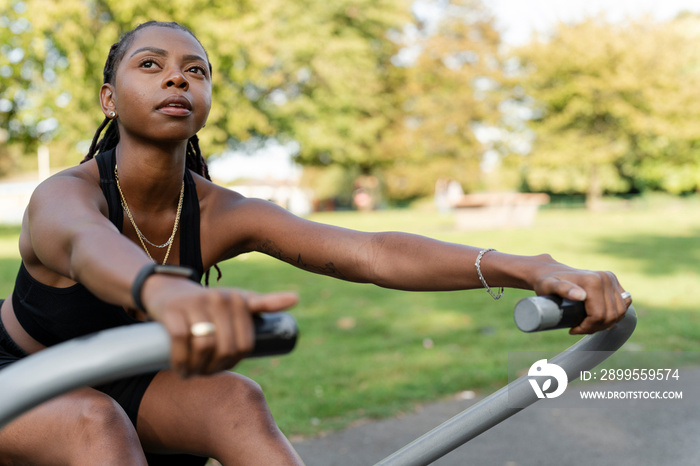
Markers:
271,162
515,19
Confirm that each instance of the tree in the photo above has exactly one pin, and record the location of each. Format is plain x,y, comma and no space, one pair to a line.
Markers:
326,74
28,96
617,107
306,69
450,86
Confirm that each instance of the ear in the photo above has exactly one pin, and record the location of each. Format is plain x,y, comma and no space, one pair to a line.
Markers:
107,101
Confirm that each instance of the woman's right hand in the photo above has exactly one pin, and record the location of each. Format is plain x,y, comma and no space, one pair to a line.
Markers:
179,304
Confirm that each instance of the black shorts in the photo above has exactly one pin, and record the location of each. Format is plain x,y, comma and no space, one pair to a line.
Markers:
127,392
9,351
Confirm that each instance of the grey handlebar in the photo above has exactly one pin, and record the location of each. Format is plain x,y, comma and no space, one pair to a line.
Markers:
110,355
103,357
538,313
584,355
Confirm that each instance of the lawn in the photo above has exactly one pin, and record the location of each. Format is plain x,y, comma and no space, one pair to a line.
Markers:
370,352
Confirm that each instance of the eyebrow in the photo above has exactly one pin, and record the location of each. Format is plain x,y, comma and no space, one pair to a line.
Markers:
164,53
155,50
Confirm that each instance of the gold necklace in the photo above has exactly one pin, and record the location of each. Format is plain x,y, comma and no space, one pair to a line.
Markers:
141,236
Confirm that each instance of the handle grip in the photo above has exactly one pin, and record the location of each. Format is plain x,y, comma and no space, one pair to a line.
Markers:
538,313
103,357
275,334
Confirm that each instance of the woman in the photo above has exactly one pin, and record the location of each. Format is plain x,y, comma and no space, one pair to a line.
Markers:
91,238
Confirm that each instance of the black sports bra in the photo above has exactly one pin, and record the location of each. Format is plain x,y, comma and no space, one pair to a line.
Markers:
51,315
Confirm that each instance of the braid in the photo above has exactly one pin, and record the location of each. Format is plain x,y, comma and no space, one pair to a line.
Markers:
93,145
113,58
193,158
195,162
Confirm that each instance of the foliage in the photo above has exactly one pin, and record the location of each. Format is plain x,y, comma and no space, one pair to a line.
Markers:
617,107
340,100
28,94
310,70
451,84
327,74
361,85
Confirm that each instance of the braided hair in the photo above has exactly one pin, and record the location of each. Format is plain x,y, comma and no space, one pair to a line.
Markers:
193,158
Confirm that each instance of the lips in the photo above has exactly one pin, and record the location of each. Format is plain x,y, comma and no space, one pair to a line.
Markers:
175,105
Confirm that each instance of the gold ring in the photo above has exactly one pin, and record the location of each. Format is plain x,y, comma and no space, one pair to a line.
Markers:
626,294
202,329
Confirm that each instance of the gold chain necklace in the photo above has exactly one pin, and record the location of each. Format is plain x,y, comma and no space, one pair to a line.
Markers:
141,236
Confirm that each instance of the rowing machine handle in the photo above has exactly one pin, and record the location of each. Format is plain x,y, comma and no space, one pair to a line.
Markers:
275,334
537,313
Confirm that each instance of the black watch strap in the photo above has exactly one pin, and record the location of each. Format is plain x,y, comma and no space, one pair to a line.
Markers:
150,269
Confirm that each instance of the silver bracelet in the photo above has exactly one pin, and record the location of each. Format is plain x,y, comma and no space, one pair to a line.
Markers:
477,264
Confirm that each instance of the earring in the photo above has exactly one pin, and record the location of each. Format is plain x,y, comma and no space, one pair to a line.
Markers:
112,114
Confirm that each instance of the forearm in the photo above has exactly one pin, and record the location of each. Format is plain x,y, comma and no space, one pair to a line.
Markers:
412,262
106,265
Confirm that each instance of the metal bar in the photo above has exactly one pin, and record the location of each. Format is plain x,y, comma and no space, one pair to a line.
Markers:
90,360
114,354
583,355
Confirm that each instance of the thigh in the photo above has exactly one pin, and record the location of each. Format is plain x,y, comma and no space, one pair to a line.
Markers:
128,393
63,429
223,416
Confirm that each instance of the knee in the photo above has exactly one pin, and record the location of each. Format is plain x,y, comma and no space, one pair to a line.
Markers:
242,395
252,393
99,419
242,407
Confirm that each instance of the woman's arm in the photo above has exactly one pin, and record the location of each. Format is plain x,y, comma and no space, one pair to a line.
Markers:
416,263
69,238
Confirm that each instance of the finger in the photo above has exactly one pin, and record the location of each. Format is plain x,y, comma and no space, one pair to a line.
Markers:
178,329
569,290
624,304
618,305
236,338
225,354
243,331
607,308
626,297
595,306
271,302
201,346
610,300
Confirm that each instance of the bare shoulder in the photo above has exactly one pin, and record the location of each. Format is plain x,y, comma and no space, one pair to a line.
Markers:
79,182
213,196
62,204
233,224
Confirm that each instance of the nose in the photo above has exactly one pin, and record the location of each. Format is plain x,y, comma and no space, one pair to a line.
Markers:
178,80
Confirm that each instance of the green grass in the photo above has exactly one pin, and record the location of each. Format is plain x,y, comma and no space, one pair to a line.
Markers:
364,352
9,258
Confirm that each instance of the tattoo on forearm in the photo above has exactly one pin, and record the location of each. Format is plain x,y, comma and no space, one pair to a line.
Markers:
270,248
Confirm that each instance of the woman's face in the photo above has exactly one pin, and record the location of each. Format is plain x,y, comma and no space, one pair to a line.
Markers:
162,88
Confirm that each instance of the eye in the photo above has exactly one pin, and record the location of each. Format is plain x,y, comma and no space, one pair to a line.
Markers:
148,63
198,69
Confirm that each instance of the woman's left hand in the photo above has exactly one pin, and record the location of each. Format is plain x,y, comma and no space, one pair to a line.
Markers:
600,291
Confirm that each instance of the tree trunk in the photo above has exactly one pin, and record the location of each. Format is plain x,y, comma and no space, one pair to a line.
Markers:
594,195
